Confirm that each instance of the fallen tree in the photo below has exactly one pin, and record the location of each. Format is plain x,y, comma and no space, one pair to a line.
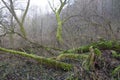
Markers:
102,45
41,60
68,54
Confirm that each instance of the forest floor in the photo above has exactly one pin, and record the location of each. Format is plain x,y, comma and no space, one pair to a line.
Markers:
104,67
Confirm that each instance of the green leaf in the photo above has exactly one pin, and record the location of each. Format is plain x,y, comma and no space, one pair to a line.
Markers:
116,70
97,51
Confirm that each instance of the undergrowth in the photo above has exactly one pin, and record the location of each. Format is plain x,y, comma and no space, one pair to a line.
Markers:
89,62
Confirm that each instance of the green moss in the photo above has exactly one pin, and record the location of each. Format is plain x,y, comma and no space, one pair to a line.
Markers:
114,45
40,59
59,28
115,54
116,70
97,52
72,56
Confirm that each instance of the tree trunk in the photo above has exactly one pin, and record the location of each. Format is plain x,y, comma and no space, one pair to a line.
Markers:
41,60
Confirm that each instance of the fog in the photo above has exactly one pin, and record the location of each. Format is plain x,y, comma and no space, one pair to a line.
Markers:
93,19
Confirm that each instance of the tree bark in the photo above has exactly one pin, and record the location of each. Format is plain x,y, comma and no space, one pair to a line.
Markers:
41,60
102,45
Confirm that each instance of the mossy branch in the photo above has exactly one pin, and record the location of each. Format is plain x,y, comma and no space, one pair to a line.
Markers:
71,56
41,60
102,45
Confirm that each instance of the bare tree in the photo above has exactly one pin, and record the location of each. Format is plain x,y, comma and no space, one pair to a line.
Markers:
57,12
11,9
96,19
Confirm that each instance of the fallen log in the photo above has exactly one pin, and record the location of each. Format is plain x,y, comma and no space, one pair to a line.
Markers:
41,60
102,45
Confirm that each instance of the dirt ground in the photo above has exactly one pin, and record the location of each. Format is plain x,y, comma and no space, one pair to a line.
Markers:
14,67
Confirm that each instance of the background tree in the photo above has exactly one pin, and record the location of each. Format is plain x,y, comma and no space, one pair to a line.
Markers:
11,9
57,12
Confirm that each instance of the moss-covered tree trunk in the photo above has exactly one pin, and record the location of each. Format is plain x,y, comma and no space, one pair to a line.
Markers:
114,45
57,12
41,60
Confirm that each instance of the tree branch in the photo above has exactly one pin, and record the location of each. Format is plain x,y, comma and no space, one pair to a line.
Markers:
54,10
26,10
41,60
20,23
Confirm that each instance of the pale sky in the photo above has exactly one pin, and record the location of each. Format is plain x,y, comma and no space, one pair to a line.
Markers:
43,4
38,5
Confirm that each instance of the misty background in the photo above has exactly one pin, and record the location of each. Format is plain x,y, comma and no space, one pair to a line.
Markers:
90,20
